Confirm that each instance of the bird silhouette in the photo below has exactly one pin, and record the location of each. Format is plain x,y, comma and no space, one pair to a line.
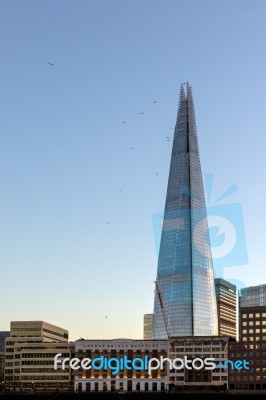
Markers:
141,113
123,122
107,222
52,65
157,173
155,101
131,148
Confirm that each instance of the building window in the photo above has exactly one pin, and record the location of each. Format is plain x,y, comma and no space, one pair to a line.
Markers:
244,315
250,315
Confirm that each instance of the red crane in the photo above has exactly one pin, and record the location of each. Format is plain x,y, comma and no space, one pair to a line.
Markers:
162,309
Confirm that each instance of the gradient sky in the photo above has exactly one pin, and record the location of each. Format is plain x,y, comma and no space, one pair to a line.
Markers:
65,155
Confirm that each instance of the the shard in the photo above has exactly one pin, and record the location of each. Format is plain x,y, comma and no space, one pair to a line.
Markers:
185,302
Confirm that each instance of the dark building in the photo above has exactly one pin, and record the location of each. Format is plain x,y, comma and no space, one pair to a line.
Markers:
252,347
3,335
185,280
226,297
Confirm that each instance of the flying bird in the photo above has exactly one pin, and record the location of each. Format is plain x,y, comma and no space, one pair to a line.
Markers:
107,222
155,101
141,113
131,148
123,122
52,65
157,173
121,190
171,128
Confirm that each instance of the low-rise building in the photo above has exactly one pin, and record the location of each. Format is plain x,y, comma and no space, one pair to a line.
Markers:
125,379
198,349
29,357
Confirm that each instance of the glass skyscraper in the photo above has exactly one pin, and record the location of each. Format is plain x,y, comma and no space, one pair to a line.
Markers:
253,296
185,302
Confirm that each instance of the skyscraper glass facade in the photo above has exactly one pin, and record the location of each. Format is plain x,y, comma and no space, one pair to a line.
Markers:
253,296
185,272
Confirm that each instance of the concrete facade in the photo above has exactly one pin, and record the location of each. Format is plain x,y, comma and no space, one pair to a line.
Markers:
29,357
125,380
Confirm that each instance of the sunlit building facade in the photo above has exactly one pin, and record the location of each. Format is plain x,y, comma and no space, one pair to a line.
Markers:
185,272
128,380
226,296
147,329
29,357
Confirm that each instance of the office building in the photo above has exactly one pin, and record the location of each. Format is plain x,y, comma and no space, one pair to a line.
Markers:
226,297
185,302
199,348
253,296
148,324
252,347
29,357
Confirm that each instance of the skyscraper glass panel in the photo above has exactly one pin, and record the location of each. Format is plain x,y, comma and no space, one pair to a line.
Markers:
185,302
253,296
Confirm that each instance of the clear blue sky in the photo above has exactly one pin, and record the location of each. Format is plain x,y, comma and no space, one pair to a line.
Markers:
65,154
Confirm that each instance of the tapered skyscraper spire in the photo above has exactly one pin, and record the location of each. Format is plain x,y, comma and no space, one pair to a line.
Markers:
185,302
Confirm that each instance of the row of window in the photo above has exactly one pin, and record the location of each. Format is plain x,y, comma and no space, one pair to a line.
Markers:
42,355
256,315
245,331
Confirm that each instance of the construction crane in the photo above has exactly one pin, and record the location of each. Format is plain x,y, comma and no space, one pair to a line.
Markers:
159,293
